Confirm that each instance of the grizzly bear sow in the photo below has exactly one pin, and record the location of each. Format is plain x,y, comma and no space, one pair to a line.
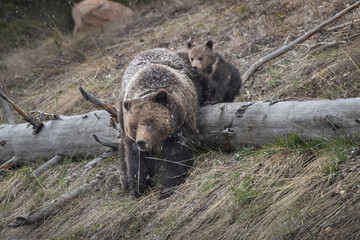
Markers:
158,112
223,78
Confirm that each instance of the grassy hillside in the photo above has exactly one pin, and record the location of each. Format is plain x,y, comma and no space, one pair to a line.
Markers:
292,189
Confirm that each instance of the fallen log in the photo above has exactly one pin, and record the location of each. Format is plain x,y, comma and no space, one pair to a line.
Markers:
226,125
233,125
72,136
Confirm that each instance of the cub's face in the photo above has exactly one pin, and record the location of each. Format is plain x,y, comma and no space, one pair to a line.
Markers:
148,124
202,57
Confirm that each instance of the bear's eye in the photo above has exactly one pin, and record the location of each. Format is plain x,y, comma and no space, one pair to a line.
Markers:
192,59
147,123
134,128
200,58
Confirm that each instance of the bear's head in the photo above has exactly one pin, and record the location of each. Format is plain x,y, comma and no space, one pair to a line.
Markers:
202,57
149,122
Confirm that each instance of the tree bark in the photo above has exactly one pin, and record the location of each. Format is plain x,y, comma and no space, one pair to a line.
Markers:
226,125
233,125
71,136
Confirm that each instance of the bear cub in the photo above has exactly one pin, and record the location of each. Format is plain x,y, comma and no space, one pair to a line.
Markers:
224,79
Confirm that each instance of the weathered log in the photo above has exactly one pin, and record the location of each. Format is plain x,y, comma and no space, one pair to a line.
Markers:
71,136
233,125
226,125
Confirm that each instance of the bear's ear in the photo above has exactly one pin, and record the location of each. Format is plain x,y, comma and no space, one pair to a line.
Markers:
190,45
162,97
209,44
127,105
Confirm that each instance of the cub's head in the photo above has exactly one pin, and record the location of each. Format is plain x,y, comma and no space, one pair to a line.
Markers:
202,57
148,123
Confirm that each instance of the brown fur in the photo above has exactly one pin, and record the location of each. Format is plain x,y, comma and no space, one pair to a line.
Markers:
149,122
95,15
223,79
158,110
200,80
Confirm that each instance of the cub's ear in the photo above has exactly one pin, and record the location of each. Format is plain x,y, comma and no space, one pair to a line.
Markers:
127,105
161,97
209,44
190,45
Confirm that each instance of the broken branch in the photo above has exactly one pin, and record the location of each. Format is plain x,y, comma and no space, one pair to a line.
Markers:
301,39
88,96
55,205
109,153
108,142
37,125
48,164
342,25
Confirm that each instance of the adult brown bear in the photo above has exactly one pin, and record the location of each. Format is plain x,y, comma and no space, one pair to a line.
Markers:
157,113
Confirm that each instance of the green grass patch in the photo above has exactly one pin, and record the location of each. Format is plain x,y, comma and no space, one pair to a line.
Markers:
209,184
335,150
243,153
244,191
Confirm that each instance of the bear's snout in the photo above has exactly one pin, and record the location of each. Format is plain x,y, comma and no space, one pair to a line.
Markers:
195,68
141,144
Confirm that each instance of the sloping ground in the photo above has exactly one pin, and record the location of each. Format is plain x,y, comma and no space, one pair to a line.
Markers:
289,190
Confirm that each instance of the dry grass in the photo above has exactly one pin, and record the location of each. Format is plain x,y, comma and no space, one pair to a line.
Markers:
289,190
277,192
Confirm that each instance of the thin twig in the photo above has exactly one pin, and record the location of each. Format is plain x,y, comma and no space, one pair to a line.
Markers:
301,39
342,25
56,205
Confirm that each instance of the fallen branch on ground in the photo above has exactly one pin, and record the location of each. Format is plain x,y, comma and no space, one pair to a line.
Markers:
57,158
342,25
56,205
301,39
